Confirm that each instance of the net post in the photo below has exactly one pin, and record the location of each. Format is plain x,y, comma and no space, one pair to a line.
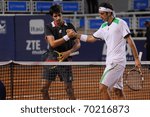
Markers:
12,79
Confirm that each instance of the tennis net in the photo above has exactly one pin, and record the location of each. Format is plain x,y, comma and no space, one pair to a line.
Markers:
23,80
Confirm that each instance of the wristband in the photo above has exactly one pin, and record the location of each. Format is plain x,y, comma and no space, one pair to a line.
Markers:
66,38
83,37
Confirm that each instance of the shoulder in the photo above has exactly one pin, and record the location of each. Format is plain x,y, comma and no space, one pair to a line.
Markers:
104,24
48,26
119,21
69,24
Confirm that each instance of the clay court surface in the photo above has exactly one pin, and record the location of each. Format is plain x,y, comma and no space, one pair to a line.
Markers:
24,83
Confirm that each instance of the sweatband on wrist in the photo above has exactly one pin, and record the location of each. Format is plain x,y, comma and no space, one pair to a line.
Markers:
66,38
83,37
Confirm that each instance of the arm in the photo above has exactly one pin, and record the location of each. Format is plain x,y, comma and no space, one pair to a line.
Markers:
134,51
82,37
86,38
50,38
75,47
55,43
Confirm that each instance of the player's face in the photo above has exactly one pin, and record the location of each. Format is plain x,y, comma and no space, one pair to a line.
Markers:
104,16
57,17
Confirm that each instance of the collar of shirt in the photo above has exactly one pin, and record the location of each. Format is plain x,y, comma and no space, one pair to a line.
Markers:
54,24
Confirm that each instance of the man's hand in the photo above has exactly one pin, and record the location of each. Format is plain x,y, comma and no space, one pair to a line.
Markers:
71,33
65,55
137,63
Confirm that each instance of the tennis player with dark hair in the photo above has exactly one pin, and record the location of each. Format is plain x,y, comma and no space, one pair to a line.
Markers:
115,32
59,39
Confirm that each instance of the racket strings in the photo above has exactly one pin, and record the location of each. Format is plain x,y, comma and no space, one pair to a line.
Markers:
134,80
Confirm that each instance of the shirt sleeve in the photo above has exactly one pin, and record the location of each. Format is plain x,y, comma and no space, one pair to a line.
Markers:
70,26
48,30
124,29
98,34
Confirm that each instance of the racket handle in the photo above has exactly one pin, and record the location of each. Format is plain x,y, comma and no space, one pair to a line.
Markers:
140,55
74,53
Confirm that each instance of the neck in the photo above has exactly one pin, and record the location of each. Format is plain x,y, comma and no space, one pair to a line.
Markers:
58,23
110,19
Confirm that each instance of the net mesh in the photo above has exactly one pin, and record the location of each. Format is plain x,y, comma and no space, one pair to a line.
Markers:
23,81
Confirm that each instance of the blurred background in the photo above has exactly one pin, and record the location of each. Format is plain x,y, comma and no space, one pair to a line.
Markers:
22,26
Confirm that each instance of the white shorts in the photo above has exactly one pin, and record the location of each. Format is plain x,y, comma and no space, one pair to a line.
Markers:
113,76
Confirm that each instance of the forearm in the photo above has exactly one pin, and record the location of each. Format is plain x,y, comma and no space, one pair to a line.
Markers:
58,42
76,46
55,43
86,38
73,49
134,51
70,34
133,48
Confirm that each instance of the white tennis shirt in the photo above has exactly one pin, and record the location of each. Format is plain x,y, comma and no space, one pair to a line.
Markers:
113,35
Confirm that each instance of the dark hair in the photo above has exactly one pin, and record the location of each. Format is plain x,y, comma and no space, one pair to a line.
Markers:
106,5
55,9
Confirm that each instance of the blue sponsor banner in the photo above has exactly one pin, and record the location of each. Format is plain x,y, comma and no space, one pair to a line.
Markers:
66,7
142,21
70,6
30,40
43,6
17,6
140,4
28,43
7,41
95,23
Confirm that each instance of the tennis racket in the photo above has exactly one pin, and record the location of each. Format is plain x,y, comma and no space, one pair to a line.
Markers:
58,56
134,78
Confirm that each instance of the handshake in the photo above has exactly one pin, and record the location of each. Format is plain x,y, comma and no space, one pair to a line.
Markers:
70,34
